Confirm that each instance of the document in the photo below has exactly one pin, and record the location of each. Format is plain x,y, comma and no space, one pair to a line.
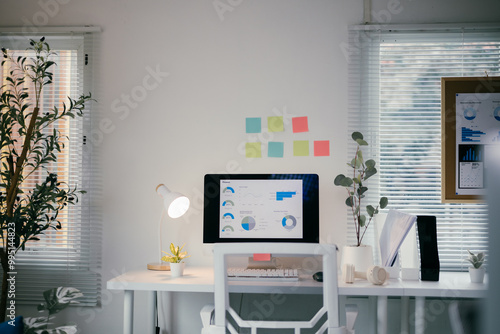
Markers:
396,228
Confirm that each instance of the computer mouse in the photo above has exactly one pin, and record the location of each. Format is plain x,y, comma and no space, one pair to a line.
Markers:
318,277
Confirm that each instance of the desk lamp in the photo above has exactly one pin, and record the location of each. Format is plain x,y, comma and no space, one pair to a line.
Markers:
175,205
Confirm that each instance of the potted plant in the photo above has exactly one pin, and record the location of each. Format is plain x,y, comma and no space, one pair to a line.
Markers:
360,255
176,258
477,270
30,202
56,300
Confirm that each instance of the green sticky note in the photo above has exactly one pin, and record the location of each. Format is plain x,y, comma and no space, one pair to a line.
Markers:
275,149
301,148
253,150
275,124
253,125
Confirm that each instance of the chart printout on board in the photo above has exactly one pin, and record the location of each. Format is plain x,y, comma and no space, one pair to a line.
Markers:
477,134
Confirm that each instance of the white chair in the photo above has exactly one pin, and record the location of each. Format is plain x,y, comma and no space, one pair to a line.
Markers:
215,319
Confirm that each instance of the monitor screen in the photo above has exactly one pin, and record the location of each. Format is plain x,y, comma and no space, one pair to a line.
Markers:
261,207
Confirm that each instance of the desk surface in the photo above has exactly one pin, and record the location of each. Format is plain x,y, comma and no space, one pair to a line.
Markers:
201,279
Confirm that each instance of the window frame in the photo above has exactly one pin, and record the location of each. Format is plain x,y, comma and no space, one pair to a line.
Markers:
366,114
43,266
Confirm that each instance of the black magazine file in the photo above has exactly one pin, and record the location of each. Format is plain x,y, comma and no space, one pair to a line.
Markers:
429,257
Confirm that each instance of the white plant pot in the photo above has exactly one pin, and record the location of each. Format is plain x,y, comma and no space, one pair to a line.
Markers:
360,256
177,269
476,275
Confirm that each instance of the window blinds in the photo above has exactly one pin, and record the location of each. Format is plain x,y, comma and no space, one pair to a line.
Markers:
395,100
70,256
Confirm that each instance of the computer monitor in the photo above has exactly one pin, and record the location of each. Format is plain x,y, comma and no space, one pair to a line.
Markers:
261,208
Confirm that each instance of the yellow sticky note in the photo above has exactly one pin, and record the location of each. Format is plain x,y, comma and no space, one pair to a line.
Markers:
275,124
253,150
301,148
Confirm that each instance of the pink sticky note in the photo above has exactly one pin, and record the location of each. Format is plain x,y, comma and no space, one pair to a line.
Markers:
300,124
262,257
321,148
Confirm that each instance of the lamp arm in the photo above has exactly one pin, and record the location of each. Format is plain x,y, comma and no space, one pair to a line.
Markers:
159,233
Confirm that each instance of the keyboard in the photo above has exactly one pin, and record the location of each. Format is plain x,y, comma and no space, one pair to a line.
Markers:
261,275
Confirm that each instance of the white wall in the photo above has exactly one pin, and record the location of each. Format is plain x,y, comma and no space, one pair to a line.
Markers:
261,57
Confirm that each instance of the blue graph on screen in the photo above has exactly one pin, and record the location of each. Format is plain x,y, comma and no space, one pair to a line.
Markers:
469,135
280,195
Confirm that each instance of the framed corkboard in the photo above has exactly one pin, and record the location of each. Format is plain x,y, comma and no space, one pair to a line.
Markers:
470,124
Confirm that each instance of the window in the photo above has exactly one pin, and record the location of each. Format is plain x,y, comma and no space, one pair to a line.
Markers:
395,101
70,256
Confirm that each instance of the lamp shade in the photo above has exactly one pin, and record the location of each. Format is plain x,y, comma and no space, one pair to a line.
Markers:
176,204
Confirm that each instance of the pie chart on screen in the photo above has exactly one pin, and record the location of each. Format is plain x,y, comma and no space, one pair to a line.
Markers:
289,222
248,223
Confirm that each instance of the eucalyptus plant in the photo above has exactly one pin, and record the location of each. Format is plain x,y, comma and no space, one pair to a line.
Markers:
356,189
28,144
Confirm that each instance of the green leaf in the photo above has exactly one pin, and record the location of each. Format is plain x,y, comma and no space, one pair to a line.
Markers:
369,173
343,181
362,190
370,210
354,163
362,220
383,202
338,179
357,135
370,163
360,156
349,201
361,142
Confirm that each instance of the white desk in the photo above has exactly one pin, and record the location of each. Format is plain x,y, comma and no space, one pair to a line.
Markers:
201,279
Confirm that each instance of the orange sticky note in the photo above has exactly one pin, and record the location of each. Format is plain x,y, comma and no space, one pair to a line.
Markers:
321,148
262,257
300,124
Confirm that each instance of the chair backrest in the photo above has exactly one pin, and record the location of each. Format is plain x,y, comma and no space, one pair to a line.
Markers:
330,286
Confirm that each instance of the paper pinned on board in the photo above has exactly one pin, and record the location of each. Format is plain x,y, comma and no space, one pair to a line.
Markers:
396,228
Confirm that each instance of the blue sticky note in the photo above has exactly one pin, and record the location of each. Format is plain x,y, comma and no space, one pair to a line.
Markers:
275,149
253,125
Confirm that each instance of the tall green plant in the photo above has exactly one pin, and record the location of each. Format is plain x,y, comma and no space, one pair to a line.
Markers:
361,171
28,144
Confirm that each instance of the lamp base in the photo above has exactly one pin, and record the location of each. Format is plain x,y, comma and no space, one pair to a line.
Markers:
161,266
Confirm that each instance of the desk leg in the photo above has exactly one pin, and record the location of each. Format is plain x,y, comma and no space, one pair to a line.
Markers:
165,311
128,312
405,315
419,315
382,315
150,325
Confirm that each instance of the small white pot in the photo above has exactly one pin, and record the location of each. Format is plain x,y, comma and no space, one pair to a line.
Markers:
360,256
476,275
177,269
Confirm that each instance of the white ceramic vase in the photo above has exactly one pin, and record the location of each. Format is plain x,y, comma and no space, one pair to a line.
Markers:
360,256
177,269
476,275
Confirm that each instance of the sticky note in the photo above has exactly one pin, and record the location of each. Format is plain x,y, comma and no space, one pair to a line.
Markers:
253,125
321,148
262,257
275,124
253,150
301,148
300,124
275,149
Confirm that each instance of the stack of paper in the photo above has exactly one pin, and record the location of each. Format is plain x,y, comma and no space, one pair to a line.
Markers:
396,227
